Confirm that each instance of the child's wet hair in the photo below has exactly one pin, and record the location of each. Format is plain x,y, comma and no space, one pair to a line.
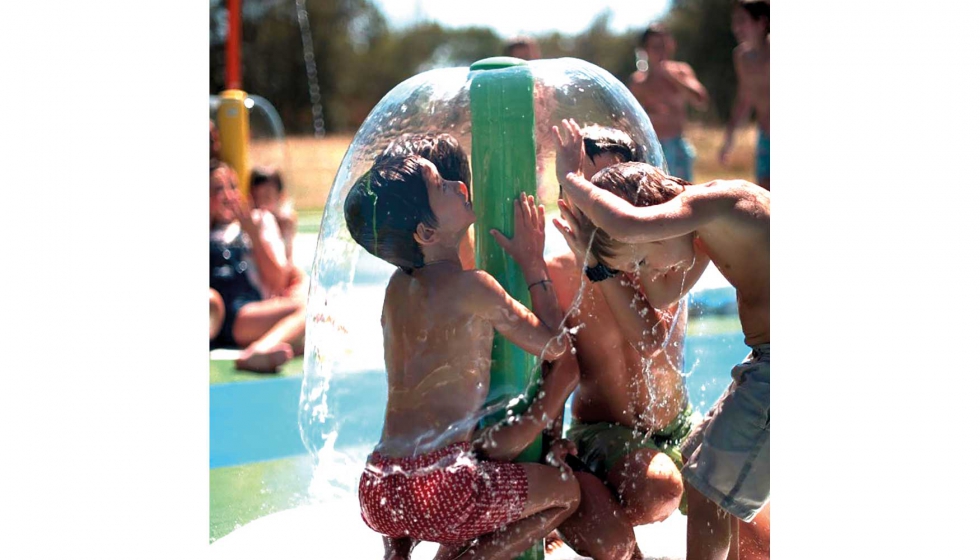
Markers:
638,183
261,175
384,208
443,150
601,139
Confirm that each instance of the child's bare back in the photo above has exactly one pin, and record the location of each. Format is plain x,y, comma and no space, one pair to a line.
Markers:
437,355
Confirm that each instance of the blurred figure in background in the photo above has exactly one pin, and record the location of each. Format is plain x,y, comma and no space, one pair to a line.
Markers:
664,89
248,267
750,24
266,191
522,47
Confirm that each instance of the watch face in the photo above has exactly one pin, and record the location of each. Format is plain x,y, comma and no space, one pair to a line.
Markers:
600,272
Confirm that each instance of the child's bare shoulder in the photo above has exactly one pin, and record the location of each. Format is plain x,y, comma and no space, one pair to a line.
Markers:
397,283
399,276
719,191
479,290
729,194
480,282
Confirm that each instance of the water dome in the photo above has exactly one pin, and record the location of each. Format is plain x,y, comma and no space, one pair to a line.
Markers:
344,347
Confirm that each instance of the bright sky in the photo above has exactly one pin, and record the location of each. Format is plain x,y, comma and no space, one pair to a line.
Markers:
531,17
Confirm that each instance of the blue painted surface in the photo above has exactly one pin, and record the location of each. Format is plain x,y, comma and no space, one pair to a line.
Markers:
254,421
708,360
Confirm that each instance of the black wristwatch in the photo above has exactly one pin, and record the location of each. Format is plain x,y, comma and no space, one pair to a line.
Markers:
600,272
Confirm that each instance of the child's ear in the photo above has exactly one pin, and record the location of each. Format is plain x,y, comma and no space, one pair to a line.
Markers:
425,235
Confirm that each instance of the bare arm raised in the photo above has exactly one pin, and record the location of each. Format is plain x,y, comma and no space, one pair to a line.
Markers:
527,250
537,332
620,219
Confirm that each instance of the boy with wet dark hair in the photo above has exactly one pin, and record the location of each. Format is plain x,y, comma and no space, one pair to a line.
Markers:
726,469
450,159
432,476
443,150
750,24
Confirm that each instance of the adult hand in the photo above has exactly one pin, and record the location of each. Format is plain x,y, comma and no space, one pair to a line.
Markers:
527,245
577,231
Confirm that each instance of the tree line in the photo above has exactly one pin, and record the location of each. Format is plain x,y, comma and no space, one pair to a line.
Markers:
359,57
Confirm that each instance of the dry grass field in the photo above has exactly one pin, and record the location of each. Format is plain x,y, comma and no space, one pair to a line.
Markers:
310,164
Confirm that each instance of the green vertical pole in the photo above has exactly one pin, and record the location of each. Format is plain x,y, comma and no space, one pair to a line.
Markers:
503,159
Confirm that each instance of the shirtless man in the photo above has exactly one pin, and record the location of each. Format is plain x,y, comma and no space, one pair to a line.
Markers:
665,90
432,476
750,24
631,410
726,471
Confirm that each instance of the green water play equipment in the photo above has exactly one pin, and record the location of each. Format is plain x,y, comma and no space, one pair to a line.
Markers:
503,162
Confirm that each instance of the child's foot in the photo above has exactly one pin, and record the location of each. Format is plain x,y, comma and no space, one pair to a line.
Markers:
266,360
552,542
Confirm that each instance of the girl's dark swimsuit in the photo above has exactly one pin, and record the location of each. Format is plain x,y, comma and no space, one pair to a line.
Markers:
229,277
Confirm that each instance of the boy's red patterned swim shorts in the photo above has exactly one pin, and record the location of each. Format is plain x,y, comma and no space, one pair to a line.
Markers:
446,496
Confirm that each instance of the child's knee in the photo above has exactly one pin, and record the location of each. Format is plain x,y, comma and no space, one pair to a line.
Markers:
652,489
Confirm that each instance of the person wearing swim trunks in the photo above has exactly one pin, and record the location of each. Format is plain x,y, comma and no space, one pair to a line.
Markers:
750,24
434,476
726,472
631,411
248,267
665,89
